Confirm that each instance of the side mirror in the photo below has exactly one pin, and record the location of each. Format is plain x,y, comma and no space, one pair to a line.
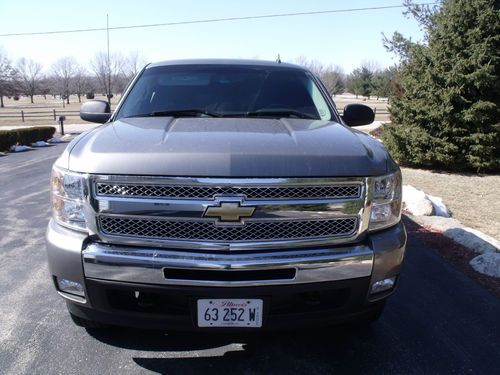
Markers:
95,111
358,114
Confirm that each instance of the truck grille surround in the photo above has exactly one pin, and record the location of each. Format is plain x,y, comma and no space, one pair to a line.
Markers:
170,212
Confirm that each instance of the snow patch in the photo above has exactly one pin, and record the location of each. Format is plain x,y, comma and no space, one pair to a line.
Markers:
55,140
40,144
416,202
18,148
421,204
439,207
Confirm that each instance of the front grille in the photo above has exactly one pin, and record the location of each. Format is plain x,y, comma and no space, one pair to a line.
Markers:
208,231
209,192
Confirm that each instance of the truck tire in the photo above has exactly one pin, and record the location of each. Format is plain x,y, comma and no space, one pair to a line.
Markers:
86,323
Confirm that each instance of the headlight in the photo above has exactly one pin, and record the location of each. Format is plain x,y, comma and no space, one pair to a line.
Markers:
67,198
386,202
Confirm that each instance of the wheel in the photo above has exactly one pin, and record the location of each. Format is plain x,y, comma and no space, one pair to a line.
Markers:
86,323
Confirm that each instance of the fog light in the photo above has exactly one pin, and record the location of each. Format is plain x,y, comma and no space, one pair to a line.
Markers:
383,285
71,287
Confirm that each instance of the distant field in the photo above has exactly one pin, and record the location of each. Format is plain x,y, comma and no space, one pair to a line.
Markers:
380,105
41,111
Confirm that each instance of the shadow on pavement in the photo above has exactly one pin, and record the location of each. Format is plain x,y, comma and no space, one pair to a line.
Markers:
279,352
458,255
439,321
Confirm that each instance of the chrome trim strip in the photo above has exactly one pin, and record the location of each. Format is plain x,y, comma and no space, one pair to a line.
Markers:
216,181
209,192
72,297
142,265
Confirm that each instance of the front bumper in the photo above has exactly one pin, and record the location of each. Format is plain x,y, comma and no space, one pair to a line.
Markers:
340,276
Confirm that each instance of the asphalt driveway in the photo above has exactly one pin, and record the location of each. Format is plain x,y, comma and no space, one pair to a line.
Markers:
439,322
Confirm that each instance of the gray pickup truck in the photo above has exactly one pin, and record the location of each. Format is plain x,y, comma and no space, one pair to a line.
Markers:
225,194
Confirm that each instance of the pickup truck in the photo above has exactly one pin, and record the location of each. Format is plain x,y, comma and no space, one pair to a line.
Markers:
225,195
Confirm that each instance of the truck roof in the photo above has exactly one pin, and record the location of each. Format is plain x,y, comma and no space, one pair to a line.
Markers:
241,62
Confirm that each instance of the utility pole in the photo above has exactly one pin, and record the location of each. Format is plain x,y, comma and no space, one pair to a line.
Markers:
109,64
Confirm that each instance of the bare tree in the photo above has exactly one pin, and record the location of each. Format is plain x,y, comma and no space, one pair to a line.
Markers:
334,79
107,71
47,86
7,77
81,82
30,75
371,66
315,66
64,71
133,64
332,76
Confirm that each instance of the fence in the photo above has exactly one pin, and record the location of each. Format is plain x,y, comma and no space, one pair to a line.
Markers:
23,115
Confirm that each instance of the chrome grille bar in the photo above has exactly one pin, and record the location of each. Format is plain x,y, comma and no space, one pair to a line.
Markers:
208,231
209,192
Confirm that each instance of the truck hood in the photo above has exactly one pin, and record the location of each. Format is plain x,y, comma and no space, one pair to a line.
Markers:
227,147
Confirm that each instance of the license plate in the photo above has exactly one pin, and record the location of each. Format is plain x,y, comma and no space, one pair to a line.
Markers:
230,313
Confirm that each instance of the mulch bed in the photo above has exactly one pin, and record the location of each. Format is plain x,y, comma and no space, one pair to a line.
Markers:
458,255
377,133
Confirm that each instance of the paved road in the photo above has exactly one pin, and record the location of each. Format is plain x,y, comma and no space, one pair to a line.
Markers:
439,321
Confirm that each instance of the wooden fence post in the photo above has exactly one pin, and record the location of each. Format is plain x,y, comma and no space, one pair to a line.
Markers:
22,115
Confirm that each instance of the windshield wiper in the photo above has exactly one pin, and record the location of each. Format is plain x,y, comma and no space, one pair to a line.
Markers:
180,113
280,113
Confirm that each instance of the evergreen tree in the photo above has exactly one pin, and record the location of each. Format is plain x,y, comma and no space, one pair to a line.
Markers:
359,82
354,83
382,82
447,112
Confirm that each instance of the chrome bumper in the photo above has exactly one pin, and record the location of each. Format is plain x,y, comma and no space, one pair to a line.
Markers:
138,265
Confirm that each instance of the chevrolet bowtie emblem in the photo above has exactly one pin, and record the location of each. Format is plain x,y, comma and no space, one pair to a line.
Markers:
229,211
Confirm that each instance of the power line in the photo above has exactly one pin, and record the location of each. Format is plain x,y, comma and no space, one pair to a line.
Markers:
212,20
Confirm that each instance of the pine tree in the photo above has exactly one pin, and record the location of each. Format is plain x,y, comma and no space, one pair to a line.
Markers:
382,82
447,113
359,82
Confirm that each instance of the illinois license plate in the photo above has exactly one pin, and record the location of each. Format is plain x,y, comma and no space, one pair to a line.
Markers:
230,313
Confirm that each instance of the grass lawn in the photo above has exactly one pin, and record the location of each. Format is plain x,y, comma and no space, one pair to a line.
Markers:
472,198
14,107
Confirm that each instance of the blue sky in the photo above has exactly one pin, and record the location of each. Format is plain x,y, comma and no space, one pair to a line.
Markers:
344,39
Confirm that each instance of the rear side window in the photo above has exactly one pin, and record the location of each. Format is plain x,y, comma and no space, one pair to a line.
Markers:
226,90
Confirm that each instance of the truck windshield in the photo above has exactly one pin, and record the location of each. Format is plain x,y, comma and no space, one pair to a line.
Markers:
225,91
